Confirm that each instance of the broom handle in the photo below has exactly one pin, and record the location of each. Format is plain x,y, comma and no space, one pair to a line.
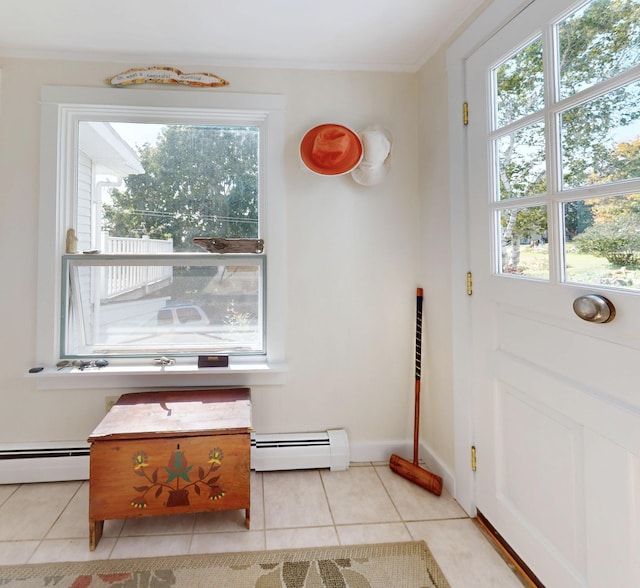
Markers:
416,424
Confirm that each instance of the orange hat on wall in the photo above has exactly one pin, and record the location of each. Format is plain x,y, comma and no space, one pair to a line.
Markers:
331,150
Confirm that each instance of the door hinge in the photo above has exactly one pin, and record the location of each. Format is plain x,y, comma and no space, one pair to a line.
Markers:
469,283
473,458
465,114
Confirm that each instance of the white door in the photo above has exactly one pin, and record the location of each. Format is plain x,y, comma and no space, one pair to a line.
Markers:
554,208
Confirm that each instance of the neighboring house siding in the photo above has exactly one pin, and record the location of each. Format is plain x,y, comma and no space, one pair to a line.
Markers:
83,232
85,182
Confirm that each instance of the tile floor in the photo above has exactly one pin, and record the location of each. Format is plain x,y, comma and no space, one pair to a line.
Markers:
367,503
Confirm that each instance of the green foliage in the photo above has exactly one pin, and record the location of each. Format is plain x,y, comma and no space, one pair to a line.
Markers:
578,217
614,232
625,162
522,163
617,240
525,222
520,83
599,41
198,181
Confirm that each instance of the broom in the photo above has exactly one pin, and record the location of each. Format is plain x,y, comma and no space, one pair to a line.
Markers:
412,471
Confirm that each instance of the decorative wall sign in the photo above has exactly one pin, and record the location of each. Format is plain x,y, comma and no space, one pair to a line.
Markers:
165,75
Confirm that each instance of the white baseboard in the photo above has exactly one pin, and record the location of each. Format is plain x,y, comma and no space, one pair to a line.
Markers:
23,471
56,469
24,463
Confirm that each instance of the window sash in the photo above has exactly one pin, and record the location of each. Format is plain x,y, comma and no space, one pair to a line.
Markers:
179,304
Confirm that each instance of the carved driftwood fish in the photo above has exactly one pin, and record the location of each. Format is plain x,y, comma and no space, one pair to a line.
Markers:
219,245
165,75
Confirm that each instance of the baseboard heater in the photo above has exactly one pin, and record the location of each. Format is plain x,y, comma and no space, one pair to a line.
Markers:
300,451
62,461
44,462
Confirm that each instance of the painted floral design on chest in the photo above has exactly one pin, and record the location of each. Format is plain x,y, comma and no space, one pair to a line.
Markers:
176,479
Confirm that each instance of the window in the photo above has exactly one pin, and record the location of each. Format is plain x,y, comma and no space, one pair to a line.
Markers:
566,150
144,191
136,176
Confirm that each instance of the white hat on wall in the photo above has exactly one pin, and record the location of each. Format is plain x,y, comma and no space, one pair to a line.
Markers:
376,157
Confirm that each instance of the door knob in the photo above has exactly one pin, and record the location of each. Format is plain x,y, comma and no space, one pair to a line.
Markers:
594,308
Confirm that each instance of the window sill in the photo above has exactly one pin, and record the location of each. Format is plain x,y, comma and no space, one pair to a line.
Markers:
138,376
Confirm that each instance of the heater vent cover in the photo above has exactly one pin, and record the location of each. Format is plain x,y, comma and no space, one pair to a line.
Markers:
297,451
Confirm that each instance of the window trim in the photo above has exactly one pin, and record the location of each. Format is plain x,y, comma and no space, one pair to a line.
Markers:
62,106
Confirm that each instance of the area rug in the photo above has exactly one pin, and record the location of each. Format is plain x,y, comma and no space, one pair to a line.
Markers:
388,565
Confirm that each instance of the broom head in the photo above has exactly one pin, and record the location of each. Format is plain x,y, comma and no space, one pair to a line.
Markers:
416,474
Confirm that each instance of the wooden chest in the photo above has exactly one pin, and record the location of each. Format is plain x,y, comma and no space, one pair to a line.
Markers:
160,453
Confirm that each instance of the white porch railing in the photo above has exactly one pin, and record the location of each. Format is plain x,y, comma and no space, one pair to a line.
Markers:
125,279
130,245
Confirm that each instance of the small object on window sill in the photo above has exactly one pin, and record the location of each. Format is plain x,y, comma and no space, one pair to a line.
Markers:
91,251
81,364
35,370
164,361
219,245
72,242
213,361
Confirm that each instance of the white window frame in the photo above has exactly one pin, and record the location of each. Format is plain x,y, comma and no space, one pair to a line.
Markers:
61,108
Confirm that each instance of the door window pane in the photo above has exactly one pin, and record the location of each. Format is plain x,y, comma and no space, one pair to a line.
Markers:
602,241
523,242
519,83
601,139
564,115
597,42
521,162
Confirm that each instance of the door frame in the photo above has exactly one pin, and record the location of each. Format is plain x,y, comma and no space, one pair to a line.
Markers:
494,17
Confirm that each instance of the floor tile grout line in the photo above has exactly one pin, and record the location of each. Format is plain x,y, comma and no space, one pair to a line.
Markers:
408,530
264,511
241,531
395,506
193,531
35,550
8,497
113,546
116,539
64,508
60,513
43,538
326,497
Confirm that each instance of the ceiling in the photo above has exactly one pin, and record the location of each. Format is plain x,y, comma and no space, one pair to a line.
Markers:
379,35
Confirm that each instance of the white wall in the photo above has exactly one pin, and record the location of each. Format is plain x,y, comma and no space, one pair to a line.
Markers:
435,225
354,261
